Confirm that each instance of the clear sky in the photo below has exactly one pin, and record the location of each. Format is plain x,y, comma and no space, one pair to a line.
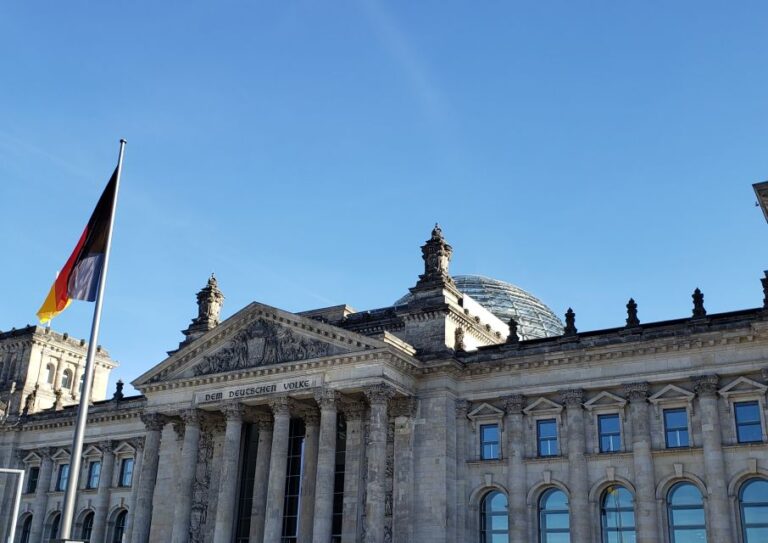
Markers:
302,150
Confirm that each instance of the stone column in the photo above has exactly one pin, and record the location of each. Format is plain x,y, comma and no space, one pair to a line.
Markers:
403,410
138,444
261,477
353,462
378,397
308,475
326,466
462,408
102,497
227,501
142,517
278,464
516,476
41,493
645,480
187,471
719,522
577,466
75,390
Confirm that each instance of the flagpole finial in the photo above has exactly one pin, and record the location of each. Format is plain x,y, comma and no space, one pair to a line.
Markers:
123,140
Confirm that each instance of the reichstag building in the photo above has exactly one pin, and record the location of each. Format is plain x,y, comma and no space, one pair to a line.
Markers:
466,412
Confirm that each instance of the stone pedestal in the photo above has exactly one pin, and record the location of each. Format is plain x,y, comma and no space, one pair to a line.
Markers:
577,466
226,503
378,397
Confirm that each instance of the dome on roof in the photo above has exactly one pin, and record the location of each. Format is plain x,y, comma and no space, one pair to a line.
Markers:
534,319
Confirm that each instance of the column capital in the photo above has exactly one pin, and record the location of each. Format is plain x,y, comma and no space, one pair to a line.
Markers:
403,407
513,404
572,397
327,398
233,411
378,394
637,391
462,408
263,422
311,417
179,428
353,410
137,443
107,446
154,421
191,417
46,453
280,405
706,385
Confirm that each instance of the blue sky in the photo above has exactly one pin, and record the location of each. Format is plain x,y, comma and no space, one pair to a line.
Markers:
302,150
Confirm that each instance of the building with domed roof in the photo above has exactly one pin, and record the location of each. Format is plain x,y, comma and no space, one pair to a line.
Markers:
466,412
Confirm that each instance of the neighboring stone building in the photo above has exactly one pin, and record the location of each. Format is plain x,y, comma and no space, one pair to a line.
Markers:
427,421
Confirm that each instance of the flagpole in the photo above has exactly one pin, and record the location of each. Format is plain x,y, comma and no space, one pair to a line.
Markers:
85,395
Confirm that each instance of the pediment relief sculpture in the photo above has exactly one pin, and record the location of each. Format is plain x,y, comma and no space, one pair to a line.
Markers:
263,343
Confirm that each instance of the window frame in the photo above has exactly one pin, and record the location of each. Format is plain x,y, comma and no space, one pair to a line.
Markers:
486,527
89,475
740,390
604,517
496,443
67,375
60,485
618,433
30,480
89,516
666,429
670,508
121,471
742,521
556,438
485,414
540,512
759,422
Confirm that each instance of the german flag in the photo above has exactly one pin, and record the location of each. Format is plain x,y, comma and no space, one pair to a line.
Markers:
80,276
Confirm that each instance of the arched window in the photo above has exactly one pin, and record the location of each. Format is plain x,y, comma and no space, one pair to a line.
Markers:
85,533
50,373
66,379
53,533
119,531
554,521
26,529
617,511
494,519
753,501
685,510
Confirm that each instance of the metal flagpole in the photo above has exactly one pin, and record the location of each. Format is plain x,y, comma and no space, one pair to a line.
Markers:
85,395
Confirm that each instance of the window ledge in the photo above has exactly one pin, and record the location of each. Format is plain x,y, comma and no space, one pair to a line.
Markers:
751,445
488,462
676,450
546,459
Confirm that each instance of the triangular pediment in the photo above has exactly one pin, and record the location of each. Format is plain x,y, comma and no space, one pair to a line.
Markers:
32,458
92,451
605,399
61,454
742,385
257,336
485,410
541,406
671,393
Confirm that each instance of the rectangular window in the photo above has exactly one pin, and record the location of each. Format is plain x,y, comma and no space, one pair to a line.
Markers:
609,428
546,435
676,428
62,477
126,472
32,476
94,472
489,442
748,426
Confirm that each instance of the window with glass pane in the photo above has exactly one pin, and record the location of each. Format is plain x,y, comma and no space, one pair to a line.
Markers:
617,511
546,435
119,531
489,442
66,379
554,523
53,533
61,478
32,477
685,510
126,472
748,426
609,428
676,428
26,529
94,472
494,520
753,501
85,533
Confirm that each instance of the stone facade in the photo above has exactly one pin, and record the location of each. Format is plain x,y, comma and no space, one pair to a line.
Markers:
418,422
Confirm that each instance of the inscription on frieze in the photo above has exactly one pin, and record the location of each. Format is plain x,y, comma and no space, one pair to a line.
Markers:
262,343
295,384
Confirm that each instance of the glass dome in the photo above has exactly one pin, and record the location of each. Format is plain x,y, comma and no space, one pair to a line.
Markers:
534,319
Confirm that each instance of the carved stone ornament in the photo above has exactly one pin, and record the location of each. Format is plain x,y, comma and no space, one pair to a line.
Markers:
570,323
311,417
353,410
402,407
378,394
263,422
572,397
190,417
764,282
698,304
636,392
280,405
107,446
179,428
326,398
462,408
233,411
513,338
514,403
632,319
137,443
458,340
262,343
706,385
153,421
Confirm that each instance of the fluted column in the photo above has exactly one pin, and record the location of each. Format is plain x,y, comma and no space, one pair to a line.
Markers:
462,408
378,397
403,411
138,445
516,480
102,497
353,465
278,463
326,466
187,471
261,477
308,475
142,517
41,494
225,506
719,523
645,480
577,465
